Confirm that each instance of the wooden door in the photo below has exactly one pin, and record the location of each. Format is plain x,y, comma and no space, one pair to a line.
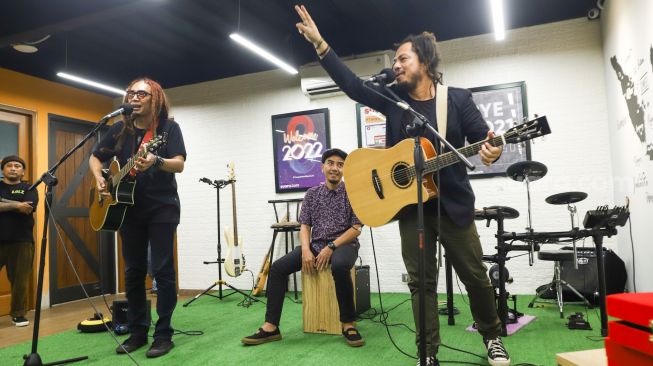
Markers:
15,139
91,252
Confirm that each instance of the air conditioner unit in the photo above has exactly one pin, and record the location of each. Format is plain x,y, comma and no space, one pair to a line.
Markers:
316,83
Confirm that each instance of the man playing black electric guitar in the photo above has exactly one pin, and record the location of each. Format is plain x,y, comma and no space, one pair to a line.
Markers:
328,233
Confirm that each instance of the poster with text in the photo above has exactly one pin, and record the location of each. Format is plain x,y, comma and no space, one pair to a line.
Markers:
503,107
299,139
371,127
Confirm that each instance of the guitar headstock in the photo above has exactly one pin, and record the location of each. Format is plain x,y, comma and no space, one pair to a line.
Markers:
528,130
231,174
156,142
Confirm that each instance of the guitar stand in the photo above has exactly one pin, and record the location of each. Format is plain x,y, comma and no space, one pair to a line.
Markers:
218,185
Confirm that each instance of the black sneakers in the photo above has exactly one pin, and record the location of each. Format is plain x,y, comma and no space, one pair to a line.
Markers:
20,321
353,337
430,361
131,344
261,337
496,352
159,348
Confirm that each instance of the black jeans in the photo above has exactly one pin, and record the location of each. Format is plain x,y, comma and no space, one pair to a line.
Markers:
135,239
342,260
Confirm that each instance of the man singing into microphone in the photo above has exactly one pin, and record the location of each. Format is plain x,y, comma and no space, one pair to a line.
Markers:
415,65
154,217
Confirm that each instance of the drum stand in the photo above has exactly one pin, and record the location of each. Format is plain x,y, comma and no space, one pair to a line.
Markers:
528,171
500,213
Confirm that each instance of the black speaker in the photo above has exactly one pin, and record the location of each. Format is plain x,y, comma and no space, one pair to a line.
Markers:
585,279
119,312
362,289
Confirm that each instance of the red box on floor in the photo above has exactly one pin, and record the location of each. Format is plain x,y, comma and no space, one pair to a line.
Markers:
619,355
630,341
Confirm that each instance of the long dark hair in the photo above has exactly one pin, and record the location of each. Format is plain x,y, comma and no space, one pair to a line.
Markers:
426,48
160,110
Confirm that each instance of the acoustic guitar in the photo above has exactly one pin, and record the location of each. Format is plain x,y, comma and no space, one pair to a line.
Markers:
234,263
381,182
108,213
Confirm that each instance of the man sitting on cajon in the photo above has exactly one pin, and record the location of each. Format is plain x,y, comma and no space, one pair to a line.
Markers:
329,231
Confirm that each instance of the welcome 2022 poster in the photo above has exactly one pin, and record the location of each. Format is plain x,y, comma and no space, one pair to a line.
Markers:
299,139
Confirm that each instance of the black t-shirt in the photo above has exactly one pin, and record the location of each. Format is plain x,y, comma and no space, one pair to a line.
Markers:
16,226
155,195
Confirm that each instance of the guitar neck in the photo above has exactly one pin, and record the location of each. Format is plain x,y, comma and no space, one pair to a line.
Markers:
128,166
233,204
449,158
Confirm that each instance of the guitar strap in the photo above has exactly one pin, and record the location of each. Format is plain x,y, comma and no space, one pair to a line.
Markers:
149,134
441,96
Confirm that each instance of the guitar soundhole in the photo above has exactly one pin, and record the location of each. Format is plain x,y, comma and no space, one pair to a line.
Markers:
401,175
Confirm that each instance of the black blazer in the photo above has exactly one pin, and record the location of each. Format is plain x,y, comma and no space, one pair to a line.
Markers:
464,122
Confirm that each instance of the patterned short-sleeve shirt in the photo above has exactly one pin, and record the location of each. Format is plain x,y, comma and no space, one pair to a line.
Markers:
328,213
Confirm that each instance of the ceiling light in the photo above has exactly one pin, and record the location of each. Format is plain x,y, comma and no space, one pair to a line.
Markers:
28,47
92,83
24,48
262,52
498,20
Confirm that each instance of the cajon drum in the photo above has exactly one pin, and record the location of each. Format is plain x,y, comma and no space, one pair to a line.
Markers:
320,310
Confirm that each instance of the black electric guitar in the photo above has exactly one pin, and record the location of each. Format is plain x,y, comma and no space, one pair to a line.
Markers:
107,213
381,182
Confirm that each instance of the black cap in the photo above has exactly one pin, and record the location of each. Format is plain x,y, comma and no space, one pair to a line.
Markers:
332,152
11,158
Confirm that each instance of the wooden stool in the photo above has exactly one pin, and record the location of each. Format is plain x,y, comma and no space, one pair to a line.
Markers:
286,226
320,310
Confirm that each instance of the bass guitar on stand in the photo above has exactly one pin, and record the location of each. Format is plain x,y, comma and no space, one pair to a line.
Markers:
234,263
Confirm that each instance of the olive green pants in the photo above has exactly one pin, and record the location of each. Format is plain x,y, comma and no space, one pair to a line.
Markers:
18,258
463,250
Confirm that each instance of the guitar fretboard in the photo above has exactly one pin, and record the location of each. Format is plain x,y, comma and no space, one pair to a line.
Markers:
132,161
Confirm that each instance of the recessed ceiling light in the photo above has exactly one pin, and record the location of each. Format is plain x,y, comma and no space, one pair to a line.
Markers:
28,47
24,48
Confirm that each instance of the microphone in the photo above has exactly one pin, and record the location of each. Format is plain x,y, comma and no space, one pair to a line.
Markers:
125,109
385,76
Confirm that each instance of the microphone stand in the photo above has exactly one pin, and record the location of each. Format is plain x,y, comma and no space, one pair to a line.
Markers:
50,180
418,127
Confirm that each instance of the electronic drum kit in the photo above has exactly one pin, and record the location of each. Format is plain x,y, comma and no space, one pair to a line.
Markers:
526,172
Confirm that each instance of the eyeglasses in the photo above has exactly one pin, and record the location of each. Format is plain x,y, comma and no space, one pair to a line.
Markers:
140,94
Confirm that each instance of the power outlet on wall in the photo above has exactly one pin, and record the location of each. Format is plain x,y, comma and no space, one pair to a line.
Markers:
404,277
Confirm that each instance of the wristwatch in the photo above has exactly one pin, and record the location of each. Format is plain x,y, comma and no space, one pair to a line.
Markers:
331,245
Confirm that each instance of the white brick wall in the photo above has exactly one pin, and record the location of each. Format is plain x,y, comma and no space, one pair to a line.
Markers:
628,34
229,120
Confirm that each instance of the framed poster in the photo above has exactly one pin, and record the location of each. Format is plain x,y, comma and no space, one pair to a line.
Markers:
503,106
371,127
298,140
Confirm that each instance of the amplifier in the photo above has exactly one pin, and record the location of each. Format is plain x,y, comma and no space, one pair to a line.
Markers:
119,315
362,289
